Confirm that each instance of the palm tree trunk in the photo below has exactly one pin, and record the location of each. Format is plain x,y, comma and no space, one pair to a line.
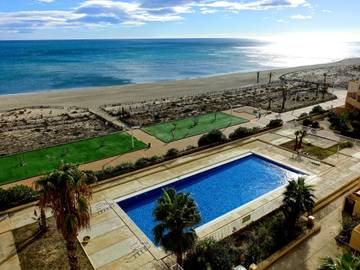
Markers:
283,102
179,258
43,224
300,141
72,254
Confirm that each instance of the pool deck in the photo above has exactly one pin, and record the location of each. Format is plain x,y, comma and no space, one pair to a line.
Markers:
117,243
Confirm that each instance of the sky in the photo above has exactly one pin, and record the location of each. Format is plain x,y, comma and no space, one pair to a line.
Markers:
115,19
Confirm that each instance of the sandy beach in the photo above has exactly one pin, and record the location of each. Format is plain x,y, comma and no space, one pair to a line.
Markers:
94,97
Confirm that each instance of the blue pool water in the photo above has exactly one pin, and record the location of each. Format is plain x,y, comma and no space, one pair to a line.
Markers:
216,191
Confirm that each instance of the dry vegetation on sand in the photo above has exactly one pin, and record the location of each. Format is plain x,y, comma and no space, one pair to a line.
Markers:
44,252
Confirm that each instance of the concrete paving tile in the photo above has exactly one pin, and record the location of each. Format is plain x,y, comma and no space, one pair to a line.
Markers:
131,262
5,224
101,217
22,218
102,228
113,252
8,255
108,239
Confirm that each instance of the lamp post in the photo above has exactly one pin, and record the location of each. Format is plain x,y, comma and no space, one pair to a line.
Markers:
231,108
130,131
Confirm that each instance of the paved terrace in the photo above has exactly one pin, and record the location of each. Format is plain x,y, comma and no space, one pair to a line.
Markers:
117,243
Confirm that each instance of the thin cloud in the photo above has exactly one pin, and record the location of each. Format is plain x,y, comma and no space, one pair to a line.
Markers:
301,17
255,5
45,1
92,13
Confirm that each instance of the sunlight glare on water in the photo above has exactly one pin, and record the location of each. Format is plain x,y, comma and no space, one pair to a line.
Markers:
291,51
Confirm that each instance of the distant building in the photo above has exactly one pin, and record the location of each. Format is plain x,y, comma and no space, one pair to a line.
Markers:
353,96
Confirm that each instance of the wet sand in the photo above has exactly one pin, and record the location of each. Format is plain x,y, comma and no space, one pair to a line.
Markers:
94,97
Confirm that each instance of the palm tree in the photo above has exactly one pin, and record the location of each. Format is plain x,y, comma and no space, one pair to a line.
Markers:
42,206
298,199
284,91
346,261
296,145
177,214
302,134
67,192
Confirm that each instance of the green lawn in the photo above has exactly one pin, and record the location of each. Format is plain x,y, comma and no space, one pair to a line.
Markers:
40,161
186,128
315,151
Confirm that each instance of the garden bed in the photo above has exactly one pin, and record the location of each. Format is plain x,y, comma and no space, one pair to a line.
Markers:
348,224
316,151
260,240
34,128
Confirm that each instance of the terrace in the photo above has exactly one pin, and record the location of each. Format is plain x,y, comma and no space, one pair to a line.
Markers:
116,241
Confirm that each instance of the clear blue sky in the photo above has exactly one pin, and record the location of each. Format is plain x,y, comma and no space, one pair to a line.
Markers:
63,19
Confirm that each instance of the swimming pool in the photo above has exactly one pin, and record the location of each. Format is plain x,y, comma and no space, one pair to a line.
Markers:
217,190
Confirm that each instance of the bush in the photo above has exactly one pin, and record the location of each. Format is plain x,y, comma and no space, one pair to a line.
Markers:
109,172
16,195
346,144
303,115
274,123
307,122
243,132
315,124
171,153
209,254
267,237
214,136
317,110
333,118
348,224
142,162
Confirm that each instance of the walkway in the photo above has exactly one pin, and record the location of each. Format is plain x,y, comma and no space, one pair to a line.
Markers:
308,255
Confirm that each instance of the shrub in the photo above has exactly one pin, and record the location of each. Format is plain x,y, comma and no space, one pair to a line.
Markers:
223,256
214,136
109,171
315,124
154,159
16,195
307,122
3,198
333,119
172,152
209,254
274,123
303,115
346,144
243,132
348,224
142,162
317,110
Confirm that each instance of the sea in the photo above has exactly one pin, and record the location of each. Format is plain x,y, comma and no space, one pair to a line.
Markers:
46,65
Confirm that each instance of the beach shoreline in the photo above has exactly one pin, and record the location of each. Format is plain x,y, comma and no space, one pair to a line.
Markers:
93,97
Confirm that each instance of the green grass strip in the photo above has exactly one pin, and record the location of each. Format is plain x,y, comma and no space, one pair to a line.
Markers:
186,128
40,161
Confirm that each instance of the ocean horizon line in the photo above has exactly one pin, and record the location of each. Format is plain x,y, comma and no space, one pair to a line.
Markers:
48,65
95,88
